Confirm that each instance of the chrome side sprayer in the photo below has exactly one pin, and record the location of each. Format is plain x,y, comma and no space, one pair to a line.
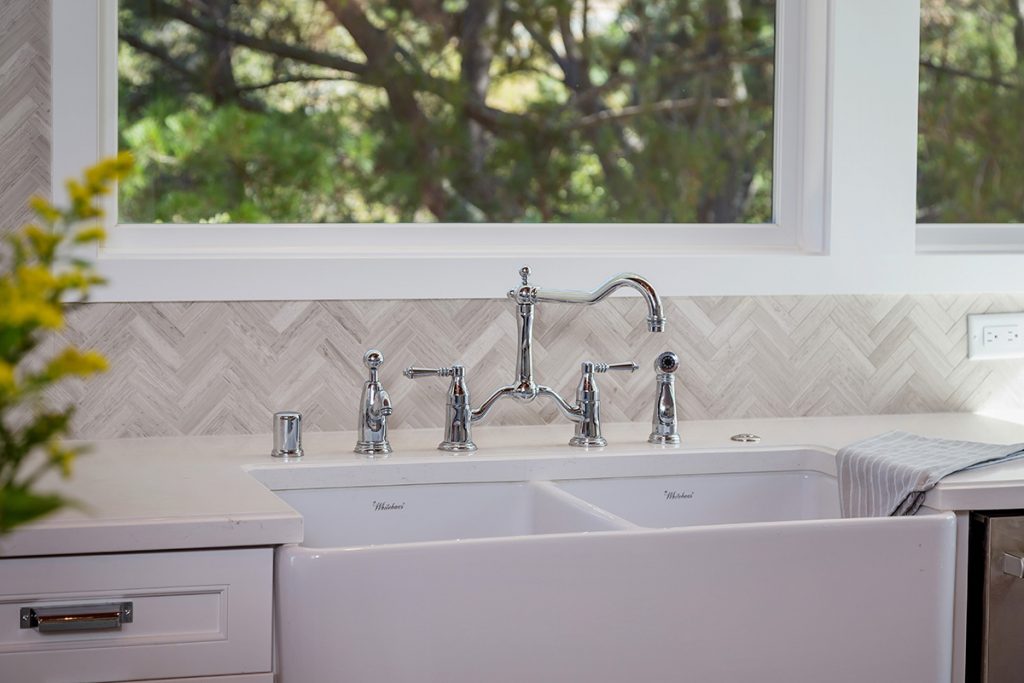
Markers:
665,424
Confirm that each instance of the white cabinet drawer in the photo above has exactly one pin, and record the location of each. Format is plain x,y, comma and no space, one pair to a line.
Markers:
201,613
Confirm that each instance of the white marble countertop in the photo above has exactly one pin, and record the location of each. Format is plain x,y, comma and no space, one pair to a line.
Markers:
197,492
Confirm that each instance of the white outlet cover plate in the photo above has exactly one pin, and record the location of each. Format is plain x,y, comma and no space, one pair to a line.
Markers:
1008,329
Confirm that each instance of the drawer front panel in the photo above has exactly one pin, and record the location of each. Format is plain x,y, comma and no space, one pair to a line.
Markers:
202,613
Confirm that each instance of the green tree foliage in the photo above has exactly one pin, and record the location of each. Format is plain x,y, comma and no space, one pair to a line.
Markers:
447,110
971,120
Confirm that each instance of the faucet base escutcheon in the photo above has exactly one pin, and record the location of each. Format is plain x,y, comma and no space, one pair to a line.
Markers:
588,441
372,449
456,447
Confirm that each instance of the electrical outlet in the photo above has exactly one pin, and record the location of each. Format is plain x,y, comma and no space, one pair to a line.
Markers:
999,335
995,335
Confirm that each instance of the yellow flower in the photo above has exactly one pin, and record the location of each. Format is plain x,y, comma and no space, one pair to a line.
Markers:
7,382
91,234
36,281
22,307
74,362
44,209
81,199
43,242
77,279
77,191
35,277
62,457
99,178
124,162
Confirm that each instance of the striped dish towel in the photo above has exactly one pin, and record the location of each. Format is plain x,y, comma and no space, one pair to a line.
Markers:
890,474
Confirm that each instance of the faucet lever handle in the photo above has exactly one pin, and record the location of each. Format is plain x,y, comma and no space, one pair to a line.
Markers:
588,403
417,373
458,433
629,366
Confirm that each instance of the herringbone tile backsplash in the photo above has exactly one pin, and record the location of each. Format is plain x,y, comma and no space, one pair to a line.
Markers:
24,106
222,368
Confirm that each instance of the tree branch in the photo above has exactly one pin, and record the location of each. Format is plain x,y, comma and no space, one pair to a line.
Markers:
291,79
165,58
497,119
960,73
159,53
382,58
544,43
299,54
576,75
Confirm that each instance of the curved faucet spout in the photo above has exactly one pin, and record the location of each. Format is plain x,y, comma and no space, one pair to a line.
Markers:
655,312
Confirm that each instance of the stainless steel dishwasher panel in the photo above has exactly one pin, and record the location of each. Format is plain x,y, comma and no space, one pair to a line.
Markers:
1001,614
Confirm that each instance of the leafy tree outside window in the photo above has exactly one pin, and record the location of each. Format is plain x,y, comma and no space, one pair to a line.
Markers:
970,138
337,111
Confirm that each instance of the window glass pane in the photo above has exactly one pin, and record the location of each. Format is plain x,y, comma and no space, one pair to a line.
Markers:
447,110
971,137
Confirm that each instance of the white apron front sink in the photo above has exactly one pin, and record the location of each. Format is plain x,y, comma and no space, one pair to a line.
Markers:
691,500
382,515
603,578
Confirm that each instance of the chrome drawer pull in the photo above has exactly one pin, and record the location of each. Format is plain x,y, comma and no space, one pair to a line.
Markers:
77,617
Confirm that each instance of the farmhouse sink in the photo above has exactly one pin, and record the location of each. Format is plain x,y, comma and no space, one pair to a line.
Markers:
606,568
707,499
380,515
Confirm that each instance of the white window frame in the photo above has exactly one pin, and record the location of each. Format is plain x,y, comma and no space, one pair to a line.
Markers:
264,261
970,238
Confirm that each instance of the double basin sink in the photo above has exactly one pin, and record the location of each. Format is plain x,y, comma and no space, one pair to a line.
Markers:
647,566
384,515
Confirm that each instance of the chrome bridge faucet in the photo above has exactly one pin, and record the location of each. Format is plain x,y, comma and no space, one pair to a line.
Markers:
586,411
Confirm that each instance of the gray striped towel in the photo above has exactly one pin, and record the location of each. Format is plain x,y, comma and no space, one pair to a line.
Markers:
890,474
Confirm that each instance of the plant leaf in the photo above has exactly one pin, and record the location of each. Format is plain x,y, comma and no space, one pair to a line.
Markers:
19,506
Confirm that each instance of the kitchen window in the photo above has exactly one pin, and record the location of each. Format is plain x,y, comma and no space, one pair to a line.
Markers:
970,192
465,111
345,137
